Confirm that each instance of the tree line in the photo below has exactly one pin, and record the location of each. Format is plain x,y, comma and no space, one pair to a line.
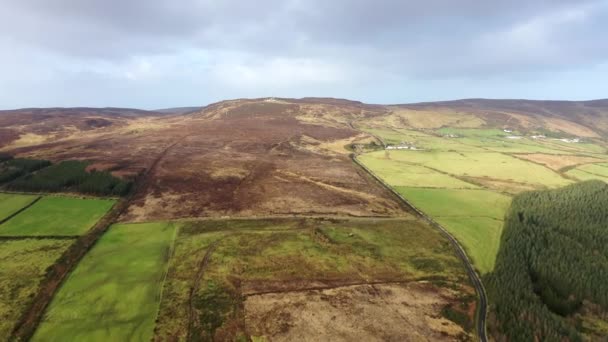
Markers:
553,260
70,176
11,169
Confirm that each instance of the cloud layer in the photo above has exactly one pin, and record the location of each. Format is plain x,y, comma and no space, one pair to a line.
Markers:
169,53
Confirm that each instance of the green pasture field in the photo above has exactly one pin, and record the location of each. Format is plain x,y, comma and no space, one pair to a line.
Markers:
584,175
474,217
480,140
11,203
458,202
272,254
114,292
480,237
398,173
23,266
57,216
596,169
483,165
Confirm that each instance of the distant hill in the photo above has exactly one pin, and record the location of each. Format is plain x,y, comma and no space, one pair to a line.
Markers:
78,111
581,118
42,124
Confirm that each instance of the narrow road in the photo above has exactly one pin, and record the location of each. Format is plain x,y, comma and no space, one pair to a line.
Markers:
475,279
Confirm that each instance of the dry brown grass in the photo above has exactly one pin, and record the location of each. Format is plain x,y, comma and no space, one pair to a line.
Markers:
556,124
383,312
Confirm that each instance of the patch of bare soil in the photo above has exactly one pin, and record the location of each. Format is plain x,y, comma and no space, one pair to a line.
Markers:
381,312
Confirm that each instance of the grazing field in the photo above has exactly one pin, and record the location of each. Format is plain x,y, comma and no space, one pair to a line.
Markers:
223,272
23,265
480,166
474,217
114,292
463,177
57,216
458,202
584,175
403,173
11,203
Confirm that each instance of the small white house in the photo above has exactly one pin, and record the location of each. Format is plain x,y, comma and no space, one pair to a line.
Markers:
402,146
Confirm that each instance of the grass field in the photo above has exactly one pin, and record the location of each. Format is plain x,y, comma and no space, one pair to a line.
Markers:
57,216
457,202
474,217
481,165
583,175
11,203
461,176
114,292
401,173
251,257
23,265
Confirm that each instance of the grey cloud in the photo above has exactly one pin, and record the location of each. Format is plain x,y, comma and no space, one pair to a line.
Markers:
354,41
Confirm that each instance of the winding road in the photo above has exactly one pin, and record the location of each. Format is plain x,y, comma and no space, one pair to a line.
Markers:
475,279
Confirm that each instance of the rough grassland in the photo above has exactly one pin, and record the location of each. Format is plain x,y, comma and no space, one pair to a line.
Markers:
114,292
22,266
57,216
474,217
290,255
11,203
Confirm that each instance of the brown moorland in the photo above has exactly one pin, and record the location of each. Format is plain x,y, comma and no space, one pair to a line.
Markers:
261,157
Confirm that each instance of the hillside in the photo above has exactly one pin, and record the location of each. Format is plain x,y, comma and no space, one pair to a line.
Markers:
255,215
33,126
578,118
244,156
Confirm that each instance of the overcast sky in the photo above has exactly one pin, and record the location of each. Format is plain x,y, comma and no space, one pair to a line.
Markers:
166,53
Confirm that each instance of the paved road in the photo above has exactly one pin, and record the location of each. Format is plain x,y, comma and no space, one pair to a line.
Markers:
481,293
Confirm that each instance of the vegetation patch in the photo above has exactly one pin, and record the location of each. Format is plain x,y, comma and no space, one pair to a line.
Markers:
113,293
57,216
459,203
402,173
217,264
552,263
474,217
71,175
13,168
492,165
23,266
12,203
